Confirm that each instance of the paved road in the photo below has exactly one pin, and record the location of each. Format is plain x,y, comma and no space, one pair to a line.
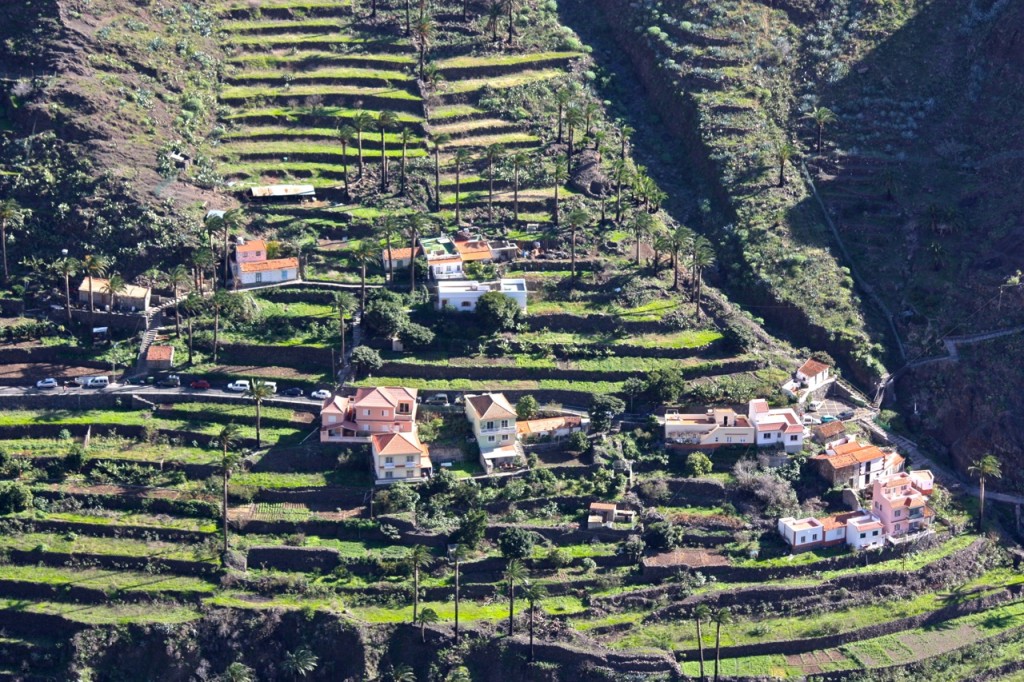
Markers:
149,392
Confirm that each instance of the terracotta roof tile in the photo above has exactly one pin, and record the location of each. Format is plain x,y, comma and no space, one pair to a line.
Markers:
267,265
160,353
812,368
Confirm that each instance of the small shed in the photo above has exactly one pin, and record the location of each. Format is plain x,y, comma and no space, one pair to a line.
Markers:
160,357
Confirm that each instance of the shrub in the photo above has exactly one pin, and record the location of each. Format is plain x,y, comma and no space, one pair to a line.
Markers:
603,409
516,543
588,565
663,535
366,360
75,459
498,312
14,497
526,408
560,557
416,335
698,464
578,442
654,491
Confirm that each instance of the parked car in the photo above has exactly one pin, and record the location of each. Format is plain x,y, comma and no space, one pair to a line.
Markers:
814,406
847,414
200,385
47,383
828,418
810,420
238,386
293,392
97,382
440,399
170,381
322,394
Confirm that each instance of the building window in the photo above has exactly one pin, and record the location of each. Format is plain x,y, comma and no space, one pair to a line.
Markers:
504,423
389,474
897,526
489,426
331,419
899,512
504,436
874,534
863,535
767,436
792,438
814,537
409,459
366,413
466,304
410,473
490,439
259,277
404,408
389,460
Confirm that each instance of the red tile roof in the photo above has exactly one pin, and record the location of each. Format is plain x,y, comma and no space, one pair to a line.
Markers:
812,368
403,443
160,353
491,406
255,245
402,254
266,265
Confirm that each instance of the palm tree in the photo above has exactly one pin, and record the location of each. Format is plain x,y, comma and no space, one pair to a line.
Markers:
783,153
364,254
94,266
403,673
231,222
701,613
11,214
344,303
428,616
116,285
519,161
984,468
405,136
822,117
439,140
193,305
462,157
680,240
238,672
719,618
227,439
385,120
559,176
259,390
408,17
388,230
415,223
202,259
346,134
460,554
361,123
492,154
300,662
703,257
574,119
419,558
219,302
510,4
624,134
578,218
642,223
599,138
460,674
423,33
178,278
515,573
562,98
67,267
533,594
621,173
494,13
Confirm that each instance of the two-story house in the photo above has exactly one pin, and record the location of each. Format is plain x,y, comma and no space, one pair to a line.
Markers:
399,457
252,267
355,419
443,258
858,529
716,428
776,427
494,427
900,506
850,463
811,376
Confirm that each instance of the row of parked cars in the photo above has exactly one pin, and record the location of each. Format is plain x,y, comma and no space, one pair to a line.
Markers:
174,381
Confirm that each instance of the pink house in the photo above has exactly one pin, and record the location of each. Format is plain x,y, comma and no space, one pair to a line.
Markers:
251,252
355,419
900,506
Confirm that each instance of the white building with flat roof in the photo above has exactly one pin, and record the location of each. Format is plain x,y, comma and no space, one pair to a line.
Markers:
463,295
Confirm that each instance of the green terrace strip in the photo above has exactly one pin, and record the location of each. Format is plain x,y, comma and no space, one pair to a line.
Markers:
244,92
503,60
337,74
101,447
683,339
350,550
322,57
110,581
285,41
508,139
596,387
455,111
119,614
609,364
277,5
498,83
285,481
310,25
293,114
330,135
66,544
470,125
100,517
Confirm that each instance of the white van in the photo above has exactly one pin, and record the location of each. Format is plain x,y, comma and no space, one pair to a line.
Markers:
239,386
97,382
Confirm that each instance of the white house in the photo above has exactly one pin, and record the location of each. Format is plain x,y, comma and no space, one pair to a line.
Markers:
775,427
251,267
715,428
463,295
494,427
443,258
858,529
864,532
811,376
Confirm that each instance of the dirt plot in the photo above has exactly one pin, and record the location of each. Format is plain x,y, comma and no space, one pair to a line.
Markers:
261,371
155,493
29,373
815,661
690,558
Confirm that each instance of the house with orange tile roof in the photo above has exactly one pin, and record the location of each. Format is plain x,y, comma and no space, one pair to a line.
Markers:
776,427
400,258
607,514
399,457
251,267
160,356
849,463
811,376
857,529
494,426
550,427
371,411
900,506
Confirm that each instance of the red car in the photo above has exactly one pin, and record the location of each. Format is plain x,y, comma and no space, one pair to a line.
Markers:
200,385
